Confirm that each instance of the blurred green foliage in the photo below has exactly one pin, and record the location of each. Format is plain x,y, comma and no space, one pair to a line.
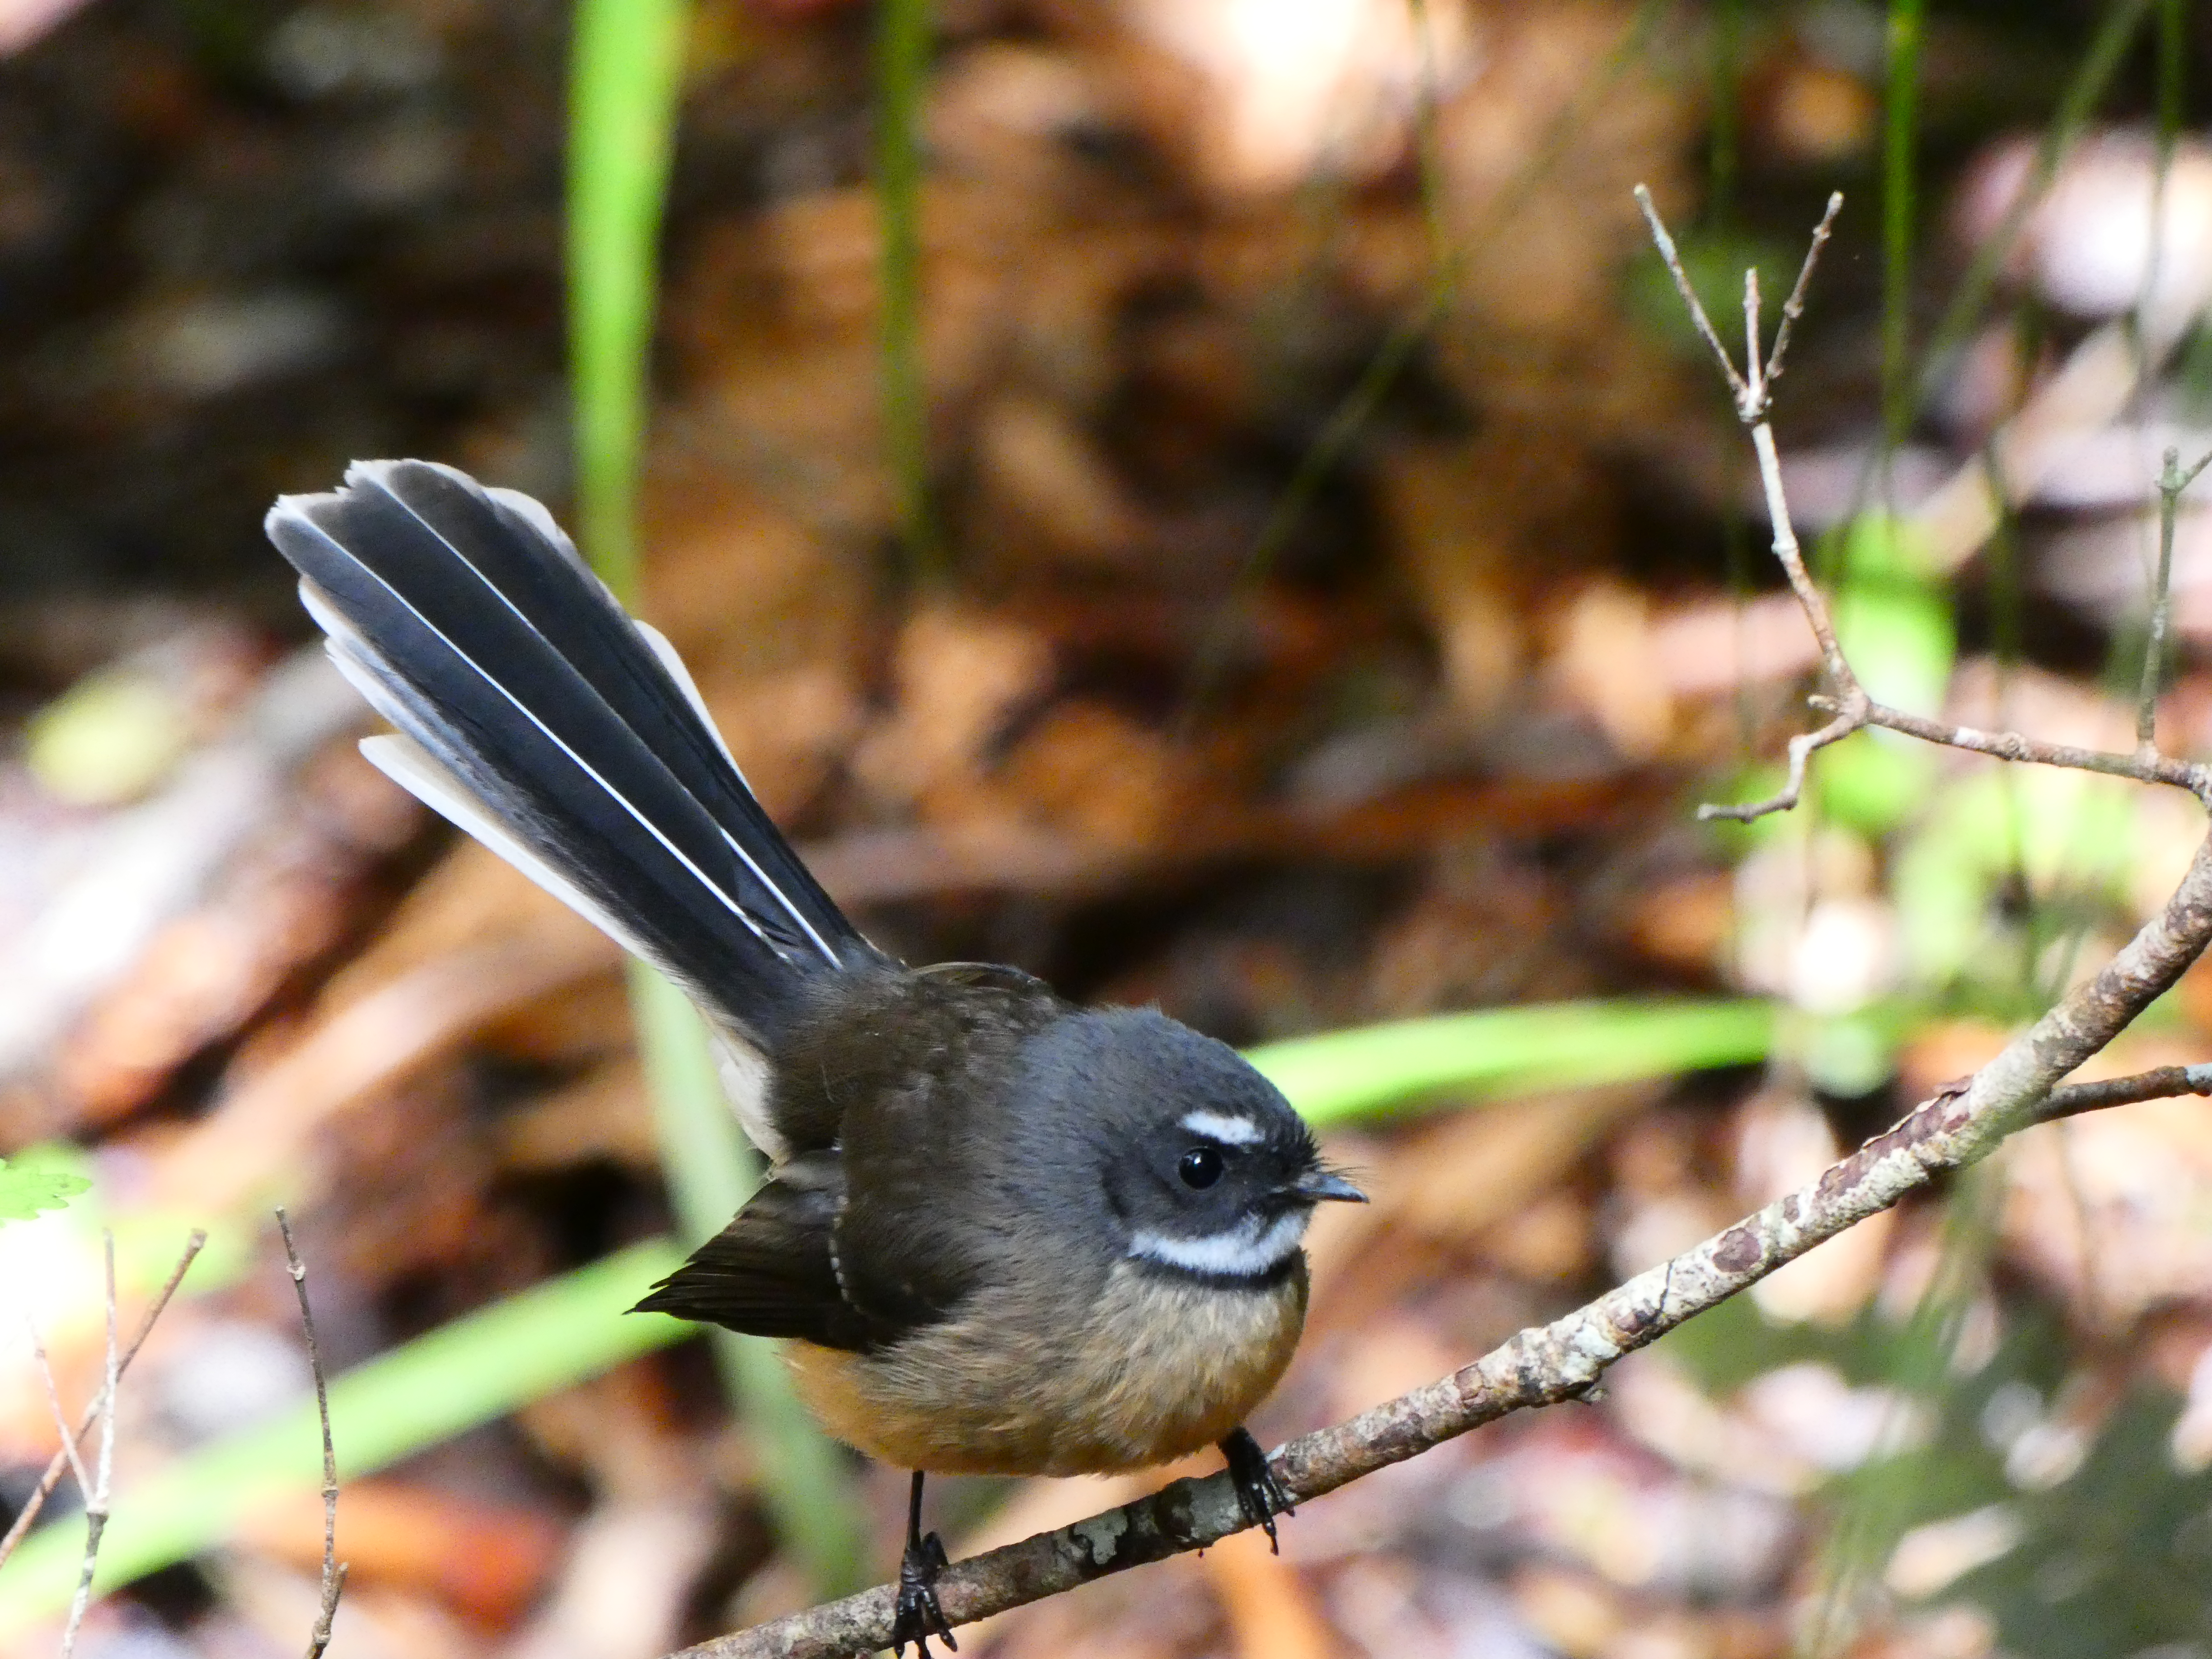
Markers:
2111,1557
27,1191
106,740
2116,1559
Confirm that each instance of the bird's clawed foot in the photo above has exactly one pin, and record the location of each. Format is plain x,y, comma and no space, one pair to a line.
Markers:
917,1617
1258,1494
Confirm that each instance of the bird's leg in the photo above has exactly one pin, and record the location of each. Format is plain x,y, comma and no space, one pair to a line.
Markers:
1258,1494
918,1617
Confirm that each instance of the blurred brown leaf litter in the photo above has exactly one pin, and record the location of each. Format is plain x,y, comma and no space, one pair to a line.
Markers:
1430,746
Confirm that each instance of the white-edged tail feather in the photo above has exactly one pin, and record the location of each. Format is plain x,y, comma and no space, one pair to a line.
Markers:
741,1067
409,765
540,717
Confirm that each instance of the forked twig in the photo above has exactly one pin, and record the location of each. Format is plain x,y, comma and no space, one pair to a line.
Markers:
96,1494
69,1453
59,1463
2172,481
1846,700
334,1571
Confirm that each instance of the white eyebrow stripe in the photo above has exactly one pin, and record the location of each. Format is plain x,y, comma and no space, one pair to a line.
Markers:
1220,1127
1244,1251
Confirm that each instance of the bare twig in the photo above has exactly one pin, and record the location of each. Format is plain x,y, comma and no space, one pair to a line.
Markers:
61,1460
2012,746
96,1495
1791,557
2172,481
1801,750
2169,498
2164,1083
1753,362
1704,323
334,1571
1793,307
1564,1359
69,1453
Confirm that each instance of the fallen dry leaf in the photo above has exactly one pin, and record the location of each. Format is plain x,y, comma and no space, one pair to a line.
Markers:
486,1562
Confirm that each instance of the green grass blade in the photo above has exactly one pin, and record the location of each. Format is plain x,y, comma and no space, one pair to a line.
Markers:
2172,68
1354,413
1378,1069
1427,153
711,1172
465,1373
1724,142
1898,196
1878,1501
710,1168
626,74
2101,61
902,61
627,78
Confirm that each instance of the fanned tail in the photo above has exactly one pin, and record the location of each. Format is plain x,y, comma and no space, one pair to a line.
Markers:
538,716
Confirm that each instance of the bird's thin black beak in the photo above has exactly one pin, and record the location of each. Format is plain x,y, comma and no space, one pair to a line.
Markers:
1320,1184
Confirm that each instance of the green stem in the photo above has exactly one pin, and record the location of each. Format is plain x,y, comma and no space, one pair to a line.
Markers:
2101,61
627,83
1724,145
1357,408
711,1172
902,57
1902,101
626,68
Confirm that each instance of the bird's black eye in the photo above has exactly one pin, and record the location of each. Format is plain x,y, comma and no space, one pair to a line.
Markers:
1201,1167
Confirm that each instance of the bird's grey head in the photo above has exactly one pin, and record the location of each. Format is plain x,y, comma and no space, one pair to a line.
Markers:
1195,1162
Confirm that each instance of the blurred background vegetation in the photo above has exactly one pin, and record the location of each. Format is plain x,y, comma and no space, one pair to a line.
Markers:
1212,500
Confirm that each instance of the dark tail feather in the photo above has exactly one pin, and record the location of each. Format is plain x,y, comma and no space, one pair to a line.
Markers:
546,722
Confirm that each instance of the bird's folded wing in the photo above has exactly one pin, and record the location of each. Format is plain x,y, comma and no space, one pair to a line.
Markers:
773,1272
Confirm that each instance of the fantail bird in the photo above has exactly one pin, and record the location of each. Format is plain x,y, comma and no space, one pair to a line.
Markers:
1005,1234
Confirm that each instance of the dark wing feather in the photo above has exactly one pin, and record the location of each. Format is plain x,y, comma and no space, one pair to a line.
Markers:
931,1164
771,1272
990,975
